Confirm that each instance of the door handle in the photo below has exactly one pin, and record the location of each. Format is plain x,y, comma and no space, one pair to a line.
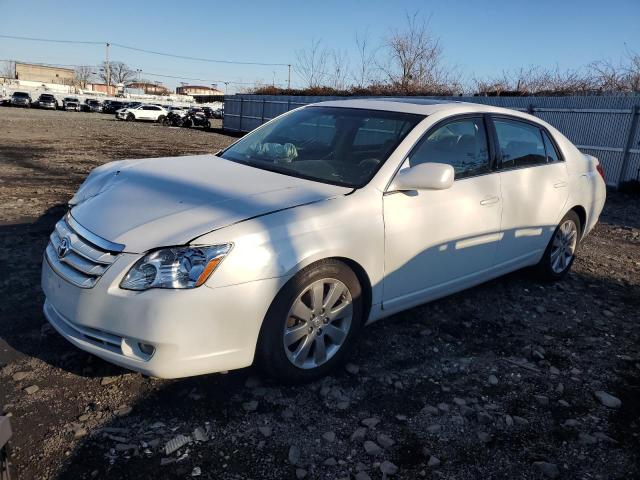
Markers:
560,184
489,200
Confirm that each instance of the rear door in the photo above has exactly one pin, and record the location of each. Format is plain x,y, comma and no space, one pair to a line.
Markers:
534,185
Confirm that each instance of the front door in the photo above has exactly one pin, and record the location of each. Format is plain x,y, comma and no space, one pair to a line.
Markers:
439,241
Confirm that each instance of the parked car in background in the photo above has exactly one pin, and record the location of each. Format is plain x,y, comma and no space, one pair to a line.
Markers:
71,103
112,106
152,113
195,119
278,249
91,105
46,100
20,99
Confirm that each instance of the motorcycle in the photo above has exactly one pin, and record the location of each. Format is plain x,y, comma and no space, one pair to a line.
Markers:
173,120
196,119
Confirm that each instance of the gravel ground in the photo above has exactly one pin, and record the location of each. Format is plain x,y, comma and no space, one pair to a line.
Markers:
512,379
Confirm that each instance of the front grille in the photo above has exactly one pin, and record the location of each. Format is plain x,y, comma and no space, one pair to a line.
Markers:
81,263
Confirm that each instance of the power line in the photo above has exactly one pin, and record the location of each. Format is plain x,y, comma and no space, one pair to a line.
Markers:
152,52
14,37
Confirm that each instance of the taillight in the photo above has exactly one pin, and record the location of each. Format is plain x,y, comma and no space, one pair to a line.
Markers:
600,170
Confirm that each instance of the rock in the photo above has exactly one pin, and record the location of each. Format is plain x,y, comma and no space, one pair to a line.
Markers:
563,403
508,420
431,409
196,472
484,437
587,439
549,470
370,422
459,401
362,476
122,411
251,406
265,431
79,433
108,380
388,468
608,313
329,436
542,399
176,443
384,441
435,428
330,462
199,435
352,369
554,371
433,461
294,455
301,473
484,418
31,389
443,407
493,380
342,405
252,382
608,400
359,434
372,448
571,423
540,309
520,420
20,376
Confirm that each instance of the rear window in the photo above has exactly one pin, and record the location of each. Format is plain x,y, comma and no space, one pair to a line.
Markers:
20,94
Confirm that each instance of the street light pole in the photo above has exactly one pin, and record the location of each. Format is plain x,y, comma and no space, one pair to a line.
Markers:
108,71
289,80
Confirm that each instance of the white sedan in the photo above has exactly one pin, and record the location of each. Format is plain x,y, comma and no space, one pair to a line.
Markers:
280,248
152,113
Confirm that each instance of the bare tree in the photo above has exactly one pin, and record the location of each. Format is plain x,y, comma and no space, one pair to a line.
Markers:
119,73
339,70
364,74
84,74
8,69
414,57
311,64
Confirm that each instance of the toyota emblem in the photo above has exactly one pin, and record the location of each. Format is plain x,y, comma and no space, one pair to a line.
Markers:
64,248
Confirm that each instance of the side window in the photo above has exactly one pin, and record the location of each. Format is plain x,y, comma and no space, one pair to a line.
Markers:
552,153
520,144
459,143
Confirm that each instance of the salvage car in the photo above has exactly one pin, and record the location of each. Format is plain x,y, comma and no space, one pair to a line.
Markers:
152,113
278,249
20,99
91,105
46,100
71,103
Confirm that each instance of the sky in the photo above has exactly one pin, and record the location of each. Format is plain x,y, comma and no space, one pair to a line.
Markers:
479,38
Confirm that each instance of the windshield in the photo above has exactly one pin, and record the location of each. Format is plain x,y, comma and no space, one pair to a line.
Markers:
341,146
20,94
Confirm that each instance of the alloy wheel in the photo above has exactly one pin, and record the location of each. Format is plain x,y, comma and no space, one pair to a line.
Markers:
563,247
318,323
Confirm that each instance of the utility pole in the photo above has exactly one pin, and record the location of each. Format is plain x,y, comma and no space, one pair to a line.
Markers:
108,71
289,81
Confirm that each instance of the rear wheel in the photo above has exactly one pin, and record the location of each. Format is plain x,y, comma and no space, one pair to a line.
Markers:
312,323
161,119
560,253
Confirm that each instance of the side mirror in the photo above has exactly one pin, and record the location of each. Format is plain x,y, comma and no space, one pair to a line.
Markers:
424,176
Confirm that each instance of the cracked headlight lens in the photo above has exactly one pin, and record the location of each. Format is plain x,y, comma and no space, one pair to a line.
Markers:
176,267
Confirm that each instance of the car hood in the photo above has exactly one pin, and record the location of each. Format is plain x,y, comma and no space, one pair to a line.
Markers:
150,203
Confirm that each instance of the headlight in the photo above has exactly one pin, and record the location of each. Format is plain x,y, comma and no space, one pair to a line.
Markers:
177,267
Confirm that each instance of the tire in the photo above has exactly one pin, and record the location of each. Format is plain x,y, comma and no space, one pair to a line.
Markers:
207,125
299,358
131,117
560,252
161,119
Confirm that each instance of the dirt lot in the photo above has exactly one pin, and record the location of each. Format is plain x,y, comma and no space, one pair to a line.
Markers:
496,382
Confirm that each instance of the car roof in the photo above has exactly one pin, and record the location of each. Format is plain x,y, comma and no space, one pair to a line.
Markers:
421,106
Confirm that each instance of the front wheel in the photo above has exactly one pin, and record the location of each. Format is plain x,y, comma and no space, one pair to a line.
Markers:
560,253
130,117
312,323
